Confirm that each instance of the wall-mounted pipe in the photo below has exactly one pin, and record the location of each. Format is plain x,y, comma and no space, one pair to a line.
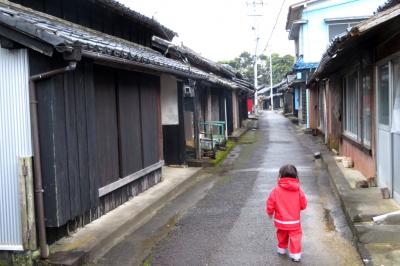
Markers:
44,249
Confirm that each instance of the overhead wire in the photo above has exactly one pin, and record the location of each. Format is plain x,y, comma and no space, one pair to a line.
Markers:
273,29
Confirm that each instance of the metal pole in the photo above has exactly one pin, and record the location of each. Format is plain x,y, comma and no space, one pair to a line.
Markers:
270,80
255,84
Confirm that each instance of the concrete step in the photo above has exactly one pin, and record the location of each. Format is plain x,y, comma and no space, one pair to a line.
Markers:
365,203
383,254
371,233
360,205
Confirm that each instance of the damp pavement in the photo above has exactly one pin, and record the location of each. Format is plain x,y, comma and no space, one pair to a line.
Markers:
222,221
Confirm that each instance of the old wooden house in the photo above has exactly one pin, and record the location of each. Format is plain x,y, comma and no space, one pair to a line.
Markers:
278,89
356,95
84,95
210,109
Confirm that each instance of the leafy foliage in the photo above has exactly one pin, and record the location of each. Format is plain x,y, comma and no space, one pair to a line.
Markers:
245,64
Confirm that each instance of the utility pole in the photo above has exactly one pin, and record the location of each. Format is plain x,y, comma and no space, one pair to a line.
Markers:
255,78
255,5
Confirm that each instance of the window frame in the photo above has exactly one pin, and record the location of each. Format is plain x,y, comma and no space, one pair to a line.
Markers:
387,60
362,69
346,131
349,24
368,70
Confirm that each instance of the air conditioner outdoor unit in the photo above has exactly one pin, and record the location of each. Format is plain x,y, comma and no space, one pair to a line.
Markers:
188,91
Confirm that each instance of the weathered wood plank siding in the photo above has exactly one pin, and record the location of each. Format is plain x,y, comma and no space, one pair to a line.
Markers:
129,118
106,126
97,125
149,91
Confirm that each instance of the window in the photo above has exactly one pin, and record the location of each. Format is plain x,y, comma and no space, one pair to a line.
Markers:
351,100
388,95
366,107
383,94
395,127
357,103
338,29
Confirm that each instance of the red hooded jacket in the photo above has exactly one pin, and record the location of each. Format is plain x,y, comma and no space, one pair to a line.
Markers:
286,200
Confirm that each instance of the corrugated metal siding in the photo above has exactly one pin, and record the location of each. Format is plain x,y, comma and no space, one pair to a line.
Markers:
15,142
396,166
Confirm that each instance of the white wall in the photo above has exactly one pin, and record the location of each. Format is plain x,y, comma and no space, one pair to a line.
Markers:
314,38
235,107
169,100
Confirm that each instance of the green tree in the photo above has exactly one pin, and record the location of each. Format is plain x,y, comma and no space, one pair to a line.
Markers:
245,64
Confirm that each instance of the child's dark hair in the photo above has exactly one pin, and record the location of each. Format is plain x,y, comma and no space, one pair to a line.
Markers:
288,170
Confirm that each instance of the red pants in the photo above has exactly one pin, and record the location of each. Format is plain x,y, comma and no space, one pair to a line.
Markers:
291,237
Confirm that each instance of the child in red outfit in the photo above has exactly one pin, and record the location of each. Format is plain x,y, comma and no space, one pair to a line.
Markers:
285,202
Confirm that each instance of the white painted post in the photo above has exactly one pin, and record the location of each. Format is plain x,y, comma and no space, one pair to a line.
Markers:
255,84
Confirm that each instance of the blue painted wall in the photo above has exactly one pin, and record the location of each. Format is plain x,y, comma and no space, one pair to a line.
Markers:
314,36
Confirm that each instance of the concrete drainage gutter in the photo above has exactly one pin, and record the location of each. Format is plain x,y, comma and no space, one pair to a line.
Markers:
376,244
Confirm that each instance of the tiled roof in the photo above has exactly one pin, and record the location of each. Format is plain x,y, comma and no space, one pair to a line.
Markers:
151,23
66,36
301,65
226,75
388,4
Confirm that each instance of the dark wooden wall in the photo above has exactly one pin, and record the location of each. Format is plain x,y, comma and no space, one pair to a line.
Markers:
242,108
66,118
106,126
96,125
127,122
95,16
174,135
229,111
130,139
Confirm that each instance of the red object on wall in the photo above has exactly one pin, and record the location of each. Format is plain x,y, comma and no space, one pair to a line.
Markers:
249,105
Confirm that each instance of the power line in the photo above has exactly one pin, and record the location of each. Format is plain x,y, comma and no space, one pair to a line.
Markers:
273,29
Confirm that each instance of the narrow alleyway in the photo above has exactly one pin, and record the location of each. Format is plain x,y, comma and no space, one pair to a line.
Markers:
222,220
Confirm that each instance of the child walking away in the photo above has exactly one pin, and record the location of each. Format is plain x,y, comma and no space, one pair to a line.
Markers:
284,203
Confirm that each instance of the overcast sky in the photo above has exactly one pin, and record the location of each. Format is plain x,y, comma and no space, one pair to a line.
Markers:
220,29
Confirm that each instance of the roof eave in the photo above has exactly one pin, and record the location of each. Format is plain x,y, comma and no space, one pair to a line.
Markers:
295,28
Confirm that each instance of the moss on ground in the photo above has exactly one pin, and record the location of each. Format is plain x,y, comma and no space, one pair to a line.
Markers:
221,155
249,137
148,261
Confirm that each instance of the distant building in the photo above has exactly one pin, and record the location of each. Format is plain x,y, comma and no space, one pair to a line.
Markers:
264,93
355,94
312,25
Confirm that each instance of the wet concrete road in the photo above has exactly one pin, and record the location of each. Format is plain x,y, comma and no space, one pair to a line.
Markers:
222,220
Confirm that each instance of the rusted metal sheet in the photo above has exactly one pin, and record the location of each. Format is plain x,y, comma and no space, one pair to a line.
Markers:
15,142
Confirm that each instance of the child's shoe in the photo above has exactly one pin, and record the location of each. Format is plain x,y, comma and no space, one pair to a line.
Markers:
295,257
281,251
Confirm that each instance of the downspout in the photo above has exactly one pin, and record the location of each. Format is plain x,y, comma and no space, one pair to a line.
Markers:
44,249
